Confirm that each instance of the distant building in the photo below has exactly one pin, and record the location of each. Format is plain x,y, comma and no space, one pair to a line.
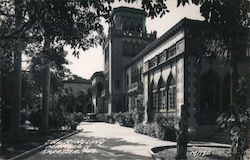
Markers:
77,85
80,88
97,88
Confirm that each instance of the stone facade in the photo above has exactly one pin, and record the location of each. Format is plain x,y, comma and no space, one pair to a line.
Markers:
165,73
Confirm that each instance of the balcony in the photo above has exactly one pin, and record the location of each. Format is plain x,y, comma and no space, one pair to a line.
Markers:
132,34
103,94
136,87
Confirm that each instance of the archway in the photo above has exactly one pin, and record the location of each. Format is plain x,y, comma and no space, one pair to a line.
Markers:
209,97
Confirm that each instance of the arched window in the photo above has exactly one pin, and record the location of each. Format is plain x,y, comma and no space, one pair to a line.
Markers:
171,93
161,94
153,89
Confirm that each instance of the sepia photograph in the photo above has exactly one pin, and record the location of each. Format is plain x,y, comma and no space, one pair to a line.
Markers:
124,79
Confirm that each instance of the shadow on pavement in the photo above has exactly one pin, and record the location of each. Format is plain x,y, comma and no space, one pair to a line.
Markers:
78,143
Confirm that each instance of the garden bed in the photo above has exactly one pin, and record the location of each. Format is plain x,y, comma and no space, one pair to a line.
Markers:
30,140
194,152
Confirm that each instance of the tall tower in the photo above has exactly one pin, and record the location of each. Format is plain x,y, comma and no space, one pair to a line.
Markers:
127,36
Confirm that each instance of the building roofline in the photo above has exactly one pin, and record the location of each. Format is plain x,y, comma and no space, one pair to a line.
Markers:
99,73
128,10
179,25
84,81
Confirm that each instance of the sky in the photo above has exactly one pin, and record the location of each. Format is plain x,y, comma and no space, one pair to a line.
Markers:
92,60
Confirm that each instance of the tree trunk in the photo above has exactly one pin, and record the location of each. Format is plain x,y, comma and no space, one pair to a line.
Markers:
44,128
1,110
17,83
17,90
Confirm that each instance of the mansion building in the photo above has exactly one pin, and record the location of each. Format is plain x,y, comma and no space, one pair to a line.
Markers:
161,74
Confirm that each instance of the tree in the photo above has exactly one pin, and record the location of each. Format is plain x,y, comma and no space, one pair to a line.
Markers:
17,80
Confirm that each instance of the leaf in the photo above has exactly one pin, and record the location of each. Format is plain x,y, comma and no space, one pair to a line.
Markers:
196,2
183,2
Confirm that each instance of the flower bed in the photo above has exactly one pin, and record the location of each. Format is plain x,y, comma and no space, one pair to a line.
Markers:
194,152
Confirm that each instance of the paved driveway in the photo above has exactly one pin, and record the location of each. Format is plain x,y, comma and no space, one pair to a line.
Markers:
101,141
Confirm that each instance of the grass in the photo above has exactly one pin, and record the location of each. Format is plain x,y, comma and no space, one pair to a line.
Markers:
197,153
30,139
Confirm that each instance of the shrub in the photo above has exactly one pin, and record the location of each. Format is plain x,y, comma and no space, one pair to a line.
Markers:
166,122
104,117
78,117
56,120
100,117
138,114
34,117
160,132
125,119
149,129
166,127
110,118
71,120
139,128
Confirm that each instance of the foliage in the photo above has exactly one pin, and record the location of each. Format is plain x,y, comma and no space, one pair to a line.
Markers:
102,117
237,120
34,117
30,92
163,128
125,119
138,114
166,127
56,119
150,129
166,121
139,128
72,118
78,117
74,102
247,155
223,11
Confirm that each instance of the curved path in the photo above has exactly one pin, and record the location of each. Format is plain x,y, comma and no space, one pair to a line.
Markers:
101,141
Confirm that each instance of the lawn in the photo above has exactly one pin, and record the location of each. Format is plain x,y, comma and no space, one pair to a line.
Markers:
197,153
30,140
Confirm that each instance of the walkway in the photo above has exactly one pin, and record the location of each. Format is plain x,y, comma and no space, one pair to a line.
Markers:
102,141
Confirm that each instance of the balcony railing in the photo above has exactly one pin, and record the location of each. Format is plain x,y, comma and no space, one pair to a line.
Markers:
135,87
